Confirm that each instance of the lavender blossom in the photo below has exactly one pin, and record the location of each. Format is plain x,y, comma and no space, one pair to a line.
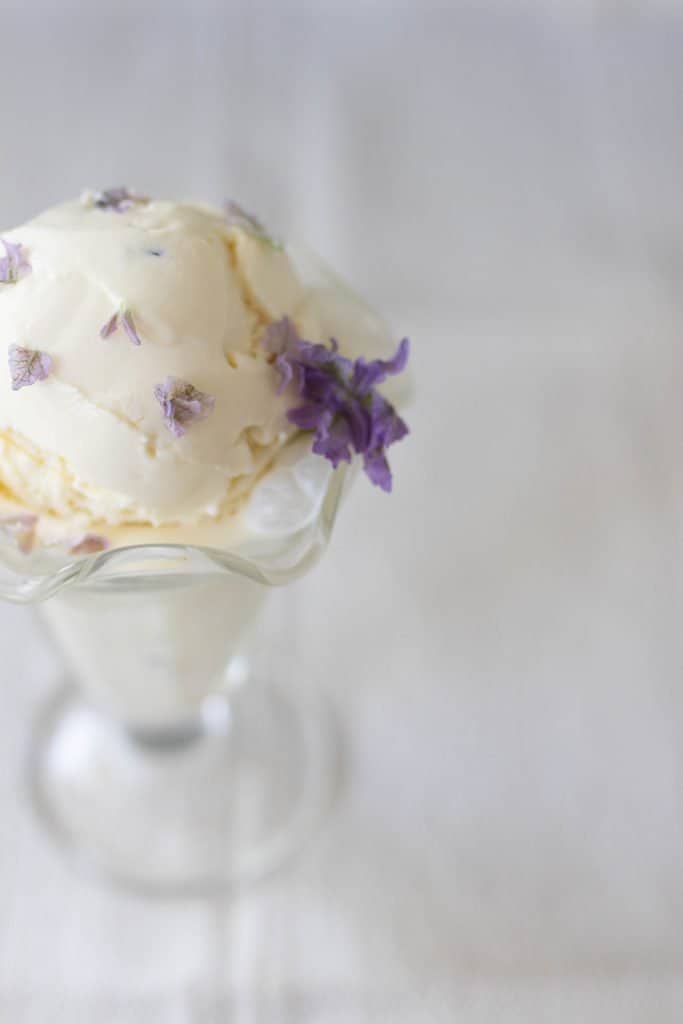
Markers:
340,404
13,262
119,200
182,404
237,217
22,529
128,325
282,340
88,544
122,318
27,366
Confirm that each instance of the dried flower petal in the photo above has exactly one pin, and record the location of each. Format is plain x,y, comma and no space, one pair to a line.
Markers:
123,318
13,262
377,469
340,404
237,217
281,339
129,326
27,366
111,325
117,199
182,404
367,376
22,529
88,544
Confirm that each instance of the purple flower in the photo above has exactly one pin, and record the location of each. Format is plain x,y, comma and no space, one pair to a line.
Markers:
27,366
13,262
340,404
386,428
237,217
367,376
117,199
123,318
88,544
182,404
22,529
282,340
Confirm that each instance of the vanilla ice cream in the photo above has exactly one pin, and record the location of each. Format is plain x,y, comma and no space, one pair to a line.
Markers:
90,442
114,304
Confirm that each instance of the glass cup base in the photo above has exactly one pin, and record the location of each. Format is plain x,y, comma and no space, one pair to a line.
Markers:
198,810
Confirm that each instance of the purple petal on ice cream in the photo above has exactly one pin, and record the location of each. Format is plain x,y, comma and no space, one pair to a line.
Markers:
27,366
281,336
122,318
281,339
128,325
106,330
13,262
340,405
367,375
377,469
182,404
387,427
284,368
334,442
310,416
88,544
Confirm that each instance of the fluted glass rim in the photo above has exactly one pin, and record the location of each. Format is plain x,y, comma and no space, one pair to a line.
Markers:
23,580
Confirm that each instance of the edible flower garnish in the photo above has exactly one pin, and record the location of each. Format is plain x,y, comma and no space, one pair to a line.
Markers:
122,318
13,262
88,544
27,365
237,217
182,404
341,405
22,529
117,199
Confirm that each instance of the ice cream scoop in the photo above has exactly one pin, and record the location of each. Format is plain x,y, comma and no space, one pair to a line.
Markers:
139,393
91,438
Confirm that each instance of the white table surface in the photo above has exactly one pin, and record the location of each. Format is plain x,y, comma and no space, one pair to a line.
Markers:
503,634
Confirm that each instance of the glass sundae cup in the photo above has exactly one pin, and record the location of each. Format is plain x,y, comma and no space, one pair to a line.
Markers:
163,761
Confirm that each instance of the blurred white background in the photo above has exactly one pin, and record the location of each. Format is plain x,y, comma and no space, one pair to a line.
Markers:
504,633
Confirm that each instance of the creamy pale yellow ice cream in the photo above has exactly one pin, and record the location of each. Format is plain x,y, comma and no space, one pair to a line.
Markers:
88,446
91,439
